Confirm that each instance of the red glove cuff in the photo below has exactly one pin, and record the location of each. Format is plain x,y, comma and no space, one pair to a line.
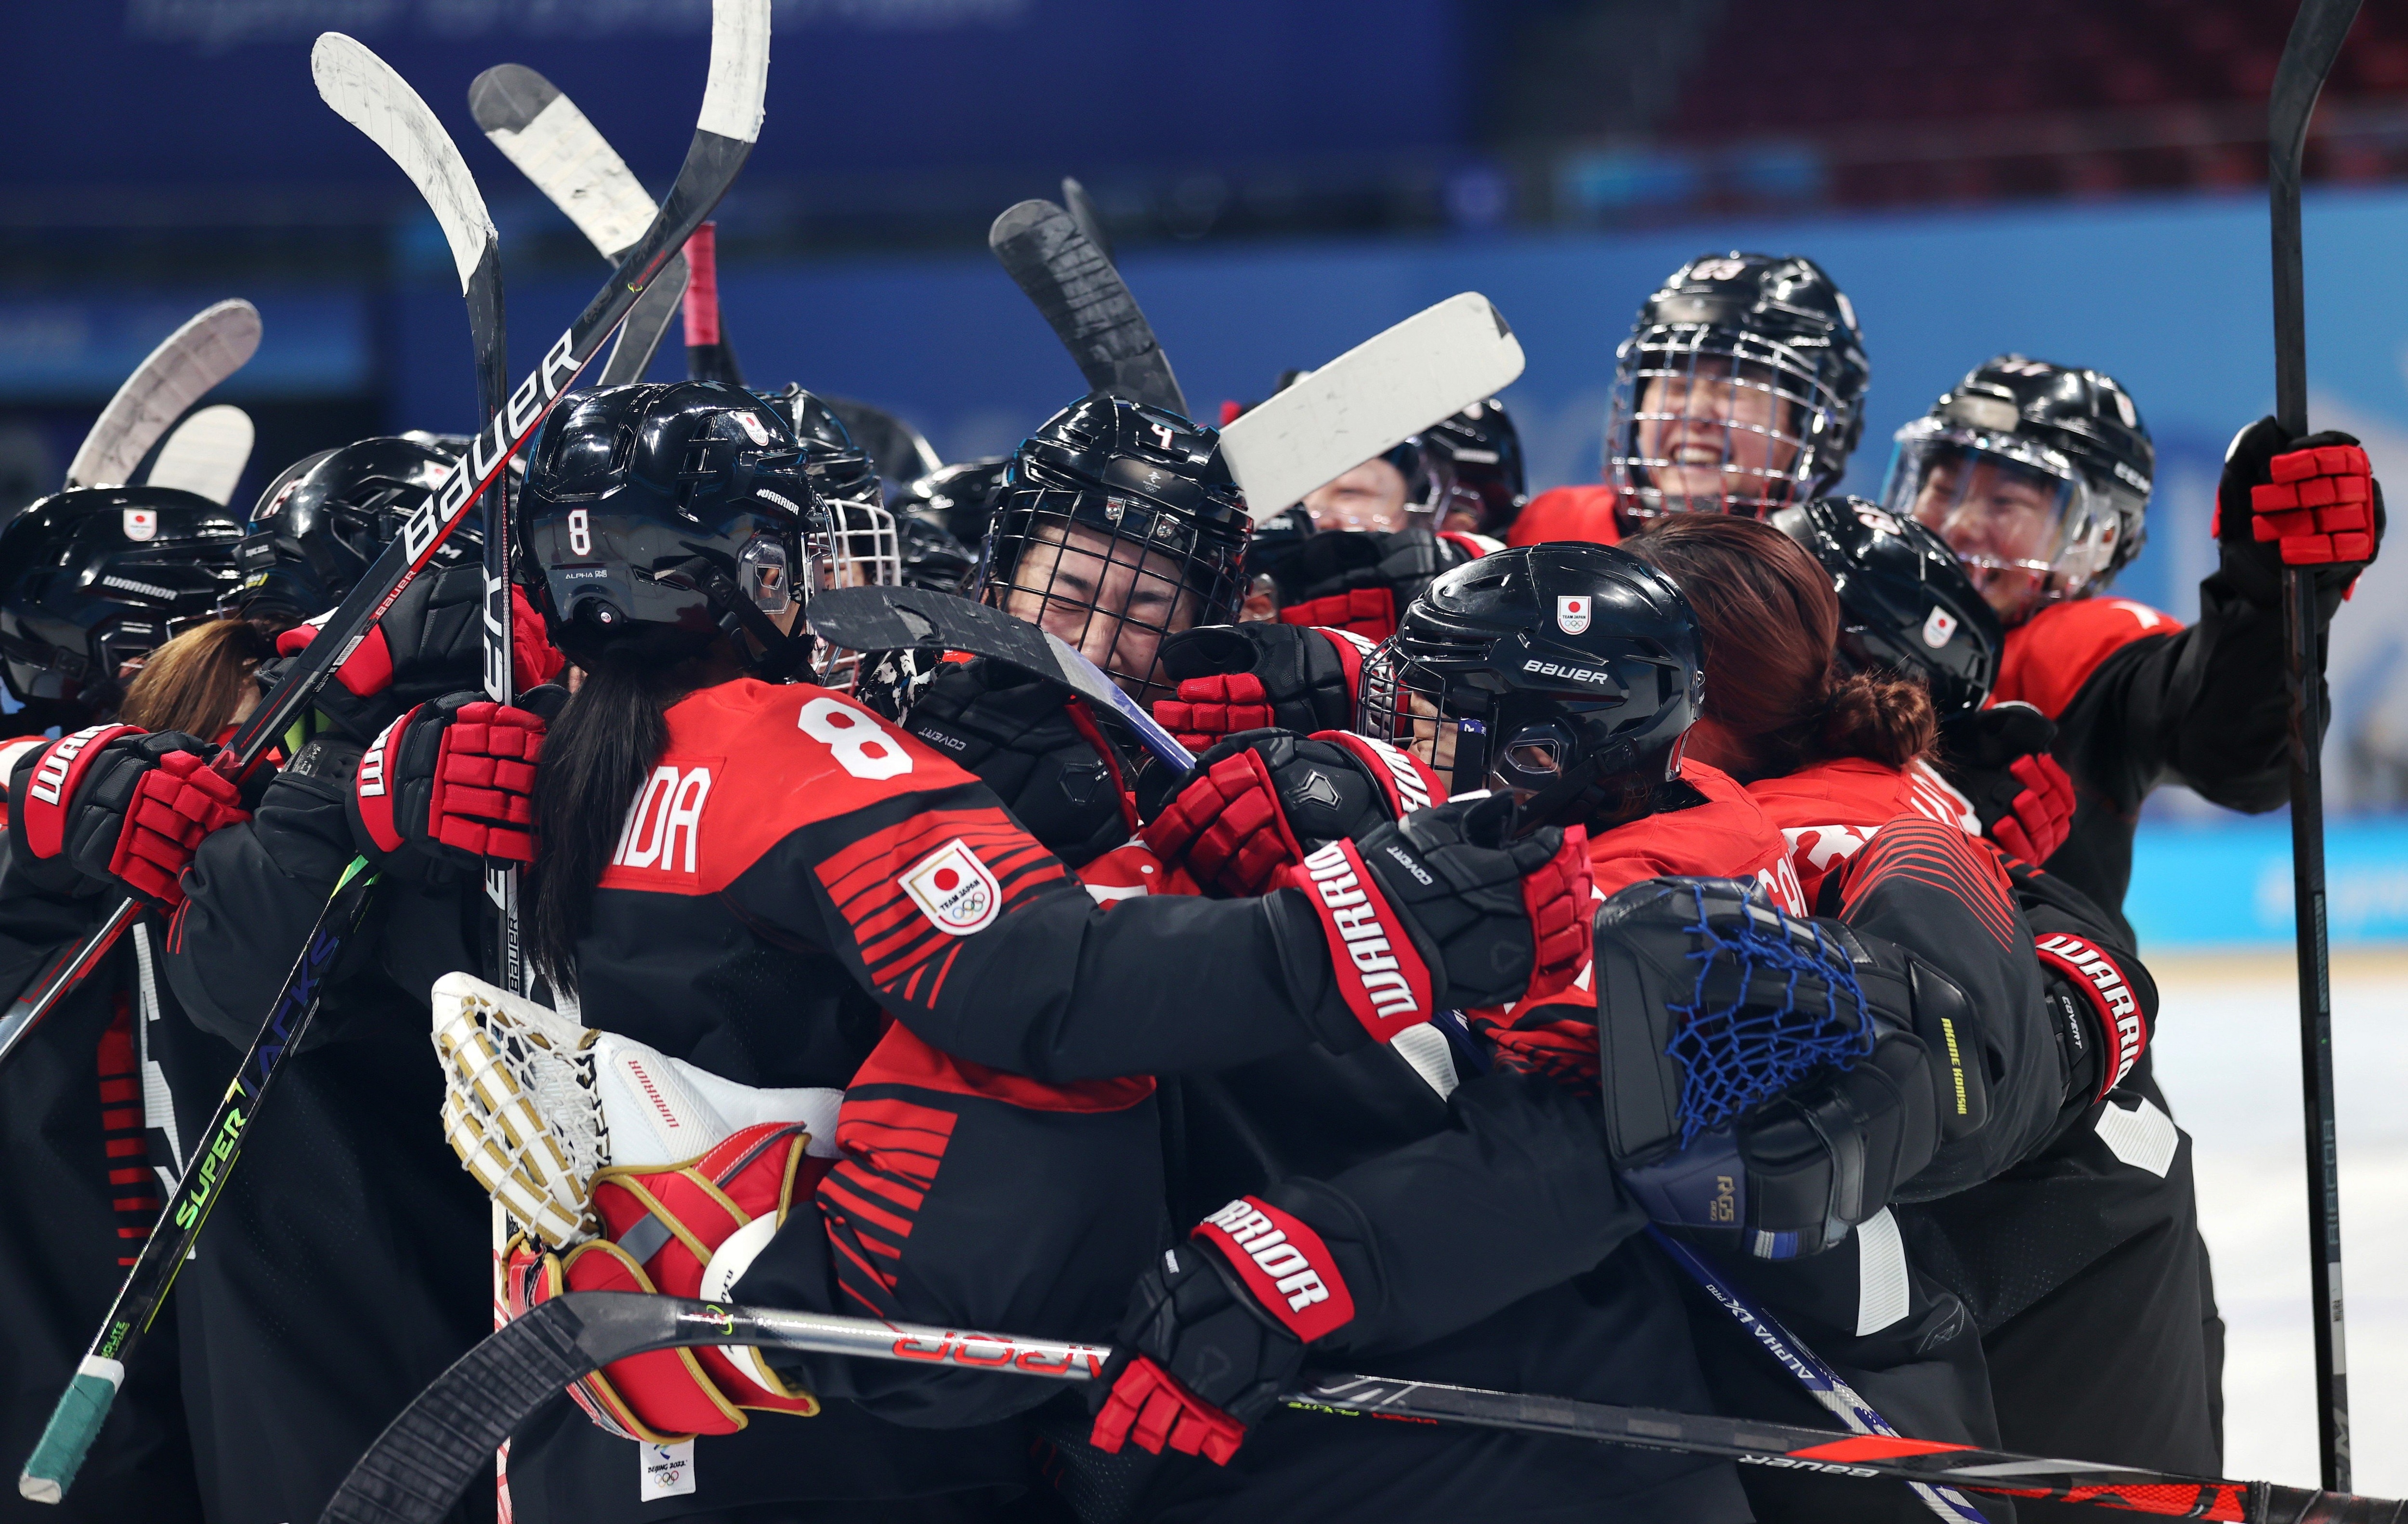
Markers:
2088,967
1409,782
1380,972
57,773
373,783
1560,897
1284,1264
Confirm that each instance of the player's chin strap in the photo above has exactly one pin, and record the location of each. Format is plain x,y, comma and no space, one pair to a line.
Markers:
782,655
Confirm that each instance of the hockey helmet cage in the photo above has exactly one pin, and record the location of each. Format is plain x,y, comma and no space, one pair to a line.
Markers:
1905,601
1740,390
681,510
1475,463
318,526
1568,672
861,548
1116,524
2038,475
94,578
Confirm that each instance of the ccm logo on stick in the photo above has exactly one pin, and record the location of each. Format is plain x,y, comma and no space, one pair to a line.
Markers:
1284,1264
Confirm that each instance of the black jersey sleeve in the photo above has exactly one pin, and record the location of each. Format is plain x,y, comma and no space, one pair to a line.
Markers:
980,941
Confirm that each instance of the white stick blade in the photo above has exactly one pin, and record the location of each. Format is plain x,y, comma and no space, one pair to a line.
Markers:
216,343
1434,364
541,131
364,91
207,454
740,69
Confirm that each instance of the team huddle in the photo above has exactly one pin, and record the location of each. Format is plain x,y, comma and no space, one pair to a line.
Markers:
1582,917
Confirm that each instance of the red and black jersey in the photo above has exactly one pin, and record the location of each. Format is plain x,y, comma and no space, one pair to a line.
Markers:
1584,511
2140,700
1828,812
796,866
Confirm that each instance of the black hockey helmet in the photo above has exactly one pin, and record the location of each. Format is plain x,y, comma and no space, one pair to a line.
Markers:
94,578
2038,476
325,517
1116,524
1740,390
1905,602
682,509
1568,672
958,498
1476,465
862,548
933,559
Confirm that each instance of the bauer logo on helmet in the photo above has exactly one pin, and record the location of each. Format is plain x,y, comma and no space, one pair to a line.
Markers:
953,889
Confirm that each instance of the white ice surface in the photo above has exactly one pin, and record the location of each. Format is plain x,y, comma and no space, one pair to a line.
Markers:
2229,1058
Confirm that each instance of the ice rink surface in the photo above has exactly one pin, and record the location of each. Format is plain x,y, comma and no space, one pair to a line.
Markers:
2229,1058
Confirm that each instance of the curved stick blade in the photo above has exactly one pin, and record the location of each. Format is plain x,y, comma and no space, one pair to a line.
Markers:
364,91
1086,304
216,343
207,454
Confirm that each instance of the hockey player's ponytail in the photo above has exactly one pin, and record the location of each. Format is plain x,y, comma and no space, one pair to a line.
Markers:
196,683
1776,684
596,756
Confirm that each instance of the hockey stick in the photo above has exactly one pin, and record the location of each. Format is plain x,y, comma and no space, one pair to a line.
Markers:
1081,207
543,133
216,343
1086,304
1822,1382
83,1408
2316,35
724,134
206,454
902,618
1369,399
427,1457
709,357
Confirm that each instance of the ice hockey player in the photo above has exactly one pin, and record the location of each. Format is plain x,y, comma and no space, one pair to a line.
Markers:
2038,476
753,876
1740,390
2090,1241
93,581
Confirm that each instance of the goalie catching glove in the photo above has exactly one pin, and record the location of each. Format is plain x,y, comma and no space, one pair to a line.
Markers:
119,803
1255,804
1443,910
454,779
1772,1082
1216,1333
632,1171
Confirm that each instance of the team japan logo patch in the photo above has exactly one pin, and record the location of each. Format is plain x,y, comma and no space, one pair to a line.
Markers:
142,525
1939,629
1571,614
953,889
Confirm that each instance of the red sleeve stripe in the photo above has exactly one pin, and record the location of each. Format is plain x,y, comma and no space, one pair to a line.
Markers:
880,857
1925,851
853,1273
880,1181
833,1189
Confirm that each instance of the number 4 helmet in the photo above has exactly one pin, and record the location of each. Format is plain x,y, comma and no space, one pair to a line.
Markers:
1568,672
1740,390
1905,602
2037,475
670,514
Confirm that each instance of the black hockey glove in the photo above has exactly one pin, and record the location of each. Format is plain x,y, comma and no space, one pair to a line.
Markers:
1258,677
1360,581
1216,1333
1765,1084
1444,909
2282,503
1999,759
120,805
1028,741
454,779
1253,805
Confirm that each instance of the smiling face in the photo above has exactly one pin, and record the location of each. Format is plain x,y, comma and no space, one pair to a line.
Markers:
1104,594
2002,520
1716,429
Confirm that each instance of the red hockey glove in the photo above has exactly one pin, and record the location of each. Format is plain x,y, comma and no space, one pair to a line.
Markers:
1216,1333
1258,677
1257,803
431,641
123,804
684,1231
1433,911
1367,612
455,779
2042,814
2284,502
2103,1015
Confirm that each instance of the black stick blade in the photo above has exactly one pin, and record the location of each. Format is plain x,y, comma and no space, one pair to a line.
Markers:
902,618
1085,302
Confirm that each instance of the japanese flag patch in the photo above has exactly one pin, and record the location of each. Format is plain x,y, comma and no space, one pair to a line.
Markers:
1939,629
142,525
953,889
1571,614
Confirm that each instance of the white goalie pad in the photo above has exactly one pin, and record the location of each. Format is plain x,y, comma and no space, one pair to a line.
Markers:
534,1104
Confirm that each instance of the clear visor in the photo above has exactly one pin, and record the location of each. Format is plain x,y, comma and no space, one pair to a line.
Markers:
763,574
1708,422
2028,525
